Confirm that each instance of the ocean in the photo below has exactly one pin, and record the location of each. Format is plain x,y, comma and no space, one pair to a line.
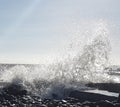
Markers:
90,66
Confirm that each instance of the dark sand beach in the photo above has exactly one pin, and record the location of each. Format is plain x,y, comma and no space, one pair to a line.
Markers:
15,95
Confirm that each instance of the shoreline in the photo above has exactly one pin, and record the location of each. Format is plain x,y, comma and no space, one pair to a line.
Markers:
15,95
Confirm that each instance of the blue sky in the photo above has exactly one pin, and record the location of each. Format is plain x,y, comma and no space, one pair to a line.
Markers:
30,29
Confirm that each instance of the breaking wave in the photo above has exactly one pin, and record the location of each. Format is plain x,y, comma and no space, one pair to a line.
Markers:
86,66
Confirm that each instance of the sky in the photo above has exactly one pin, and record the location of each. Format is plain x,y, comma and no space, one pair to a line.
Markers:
34,30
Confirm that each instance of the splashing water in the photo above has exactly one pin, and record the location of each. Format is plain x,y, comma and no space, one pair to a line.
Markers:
86,66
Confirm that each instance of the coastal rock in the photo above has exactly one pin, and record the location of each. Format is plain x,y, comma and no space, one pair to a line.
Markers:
17,96
15,89
117,105
88,104
105,104
118,100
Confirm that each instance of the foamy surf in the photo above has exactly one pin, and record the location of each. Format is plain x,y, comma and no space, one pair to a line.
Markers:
85,67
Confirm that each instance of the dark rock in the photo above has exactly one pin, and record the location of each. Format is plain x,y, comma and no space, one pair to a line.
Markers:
115,101
118,100
60,103
117,105
55,103
89,104
43,105
64,105
15,89
47,100
22,105
9,97
72,100
55,96
50,104
104,104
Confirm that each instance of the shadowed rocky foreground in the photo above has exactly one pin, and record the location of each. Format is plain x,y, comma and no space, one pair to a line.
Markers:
15,95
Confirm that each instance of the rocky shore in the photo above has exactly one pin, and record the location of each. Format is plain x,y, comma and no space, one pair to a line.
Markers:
17,96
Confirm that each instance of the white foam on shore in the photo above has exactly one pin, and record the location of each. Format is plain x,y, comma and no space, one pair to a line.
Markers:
103,92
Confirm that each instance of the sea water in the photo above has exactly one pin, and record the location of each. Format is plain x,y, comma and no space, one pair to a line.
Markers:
86,65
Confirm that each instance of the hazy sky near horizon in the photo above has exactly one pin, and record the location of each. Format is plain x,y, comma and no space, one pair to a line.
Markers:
31,29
